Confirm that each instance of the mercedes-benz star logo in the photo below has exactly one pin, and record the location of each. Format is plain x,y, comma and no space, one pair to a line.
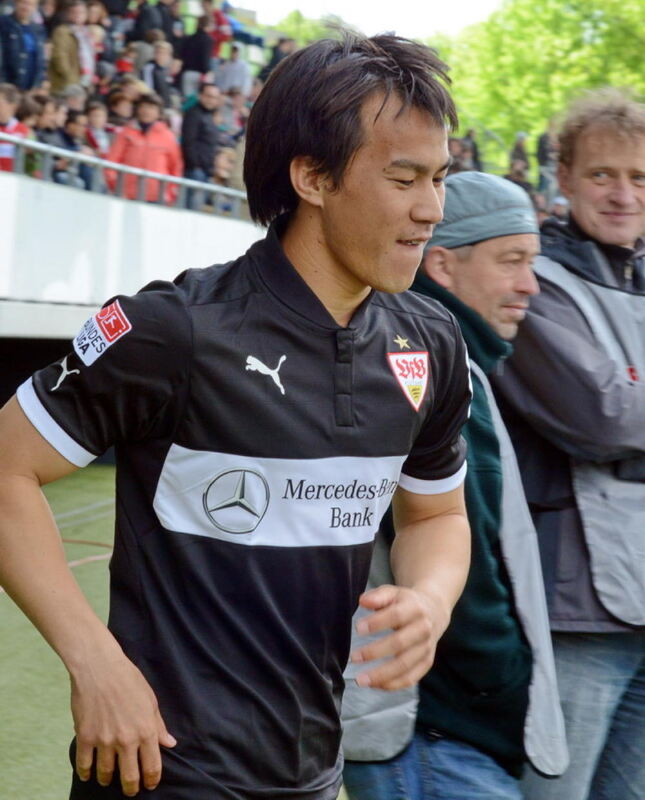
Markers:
236,500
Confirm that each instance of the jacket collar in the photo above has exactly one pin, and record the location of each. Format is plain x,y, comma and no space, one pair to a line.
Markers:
617,255
572,247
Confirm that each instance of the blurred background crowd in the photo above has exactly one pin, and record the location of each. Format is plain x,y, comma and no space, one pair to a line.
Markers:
143,85
128,84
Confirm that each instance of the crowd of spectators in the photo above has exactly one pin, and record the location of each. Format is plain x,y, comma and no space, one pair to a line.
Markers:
74,75
127,85
545,194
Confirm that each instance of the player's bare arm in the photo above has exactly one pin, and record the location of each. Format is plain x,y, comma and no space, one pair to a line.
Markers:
115,711
430,559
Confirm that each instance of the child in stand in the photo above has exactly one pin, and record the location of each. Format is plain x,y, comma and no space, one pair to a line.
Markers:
125,61
98,134
27,113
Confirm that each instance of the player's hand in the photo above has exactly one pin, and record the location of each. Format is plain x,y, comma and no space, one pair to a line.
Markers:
116,713
416,620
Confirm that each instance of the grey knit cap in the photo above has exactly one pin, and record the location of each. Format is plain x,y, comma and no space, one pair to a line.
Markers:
481,206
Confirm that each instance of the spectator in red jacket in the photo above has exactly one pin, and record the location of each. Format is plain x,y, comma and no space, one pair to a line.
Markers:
147,143
9,99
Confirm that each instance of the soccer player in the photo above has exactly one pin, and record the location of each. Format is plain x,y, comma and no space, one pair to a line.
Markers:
265,413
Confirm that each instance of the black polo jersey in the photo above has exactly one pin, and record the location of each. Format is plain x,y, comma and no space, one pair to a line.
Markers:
258,445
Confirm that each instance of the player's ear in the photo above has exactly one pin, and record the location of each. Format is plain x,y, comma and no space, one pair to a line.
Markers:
307,180
438,264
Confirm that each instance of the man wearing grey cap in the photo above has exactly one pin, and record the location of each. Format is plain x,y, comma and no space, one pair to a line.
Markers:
490,701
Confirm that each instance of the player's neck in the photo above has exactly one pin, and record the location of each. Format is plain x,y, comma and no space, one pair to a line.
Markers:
337,289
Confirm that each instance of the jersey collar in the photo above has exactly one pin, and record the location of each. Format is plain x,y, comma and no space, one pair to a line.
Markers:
284,282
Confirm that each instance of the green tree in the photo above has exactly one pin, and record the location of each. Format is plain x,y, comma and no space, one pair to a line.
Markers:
520,67
305,30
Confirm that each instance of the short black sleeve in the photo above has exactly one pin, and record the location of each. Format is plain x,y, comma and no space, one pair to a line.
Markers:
124,380
437,461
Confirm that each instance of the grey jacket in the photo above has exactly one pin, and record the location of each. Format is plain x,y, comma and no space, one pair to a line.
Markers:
575,404
377,725
600,423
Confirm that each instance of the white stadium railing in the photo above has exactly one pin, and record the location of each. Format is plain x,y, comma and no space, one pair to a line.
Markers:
233,201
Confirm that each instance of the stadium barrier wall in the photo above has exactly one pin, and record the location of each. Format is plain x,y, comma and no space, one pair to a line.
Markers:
230,202
63,252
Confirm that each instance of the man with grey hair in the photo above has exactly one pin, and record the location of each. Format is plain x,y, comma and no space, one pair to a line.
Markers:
575,403
490,701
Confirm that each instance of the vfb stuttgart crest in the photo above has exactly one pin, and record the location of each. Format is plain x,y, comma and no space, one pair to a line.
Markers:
411,371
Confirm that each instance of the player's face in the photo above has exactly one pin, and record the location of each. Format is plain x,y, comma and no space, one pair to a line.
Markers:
605,185
497,280
377,222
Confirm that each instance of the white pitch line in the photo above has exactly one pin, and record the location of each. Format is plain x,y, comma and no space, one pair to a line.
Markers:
76,523
83,509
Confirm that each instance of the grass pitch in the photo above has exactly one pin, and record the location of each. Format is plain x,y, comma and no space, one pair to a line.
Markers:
36,723
35,720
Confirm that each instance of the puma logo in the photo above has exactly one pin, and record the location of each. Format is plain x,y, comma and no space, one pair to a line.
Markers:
65,373
255,365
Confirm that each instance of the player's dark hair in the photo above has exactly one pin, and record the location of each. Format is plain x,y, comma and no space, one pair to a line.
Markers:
311,106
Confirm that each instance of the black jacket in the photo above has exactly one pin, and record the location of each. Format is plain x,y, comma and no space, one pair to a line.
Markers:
167,23
200,138
149,17
157,78
116,8
196,52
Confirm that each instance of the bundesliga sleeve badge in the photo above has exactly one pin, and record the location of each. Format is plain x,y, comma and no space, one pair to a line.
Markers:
411,371
100,332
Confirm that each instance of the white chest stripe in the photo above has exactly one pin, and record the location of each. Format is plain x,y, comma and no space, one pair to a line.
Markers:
273,501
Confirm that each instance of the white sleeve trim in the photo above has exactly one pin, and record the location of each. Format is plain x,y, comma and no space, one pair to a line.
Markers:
49,429
420,486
